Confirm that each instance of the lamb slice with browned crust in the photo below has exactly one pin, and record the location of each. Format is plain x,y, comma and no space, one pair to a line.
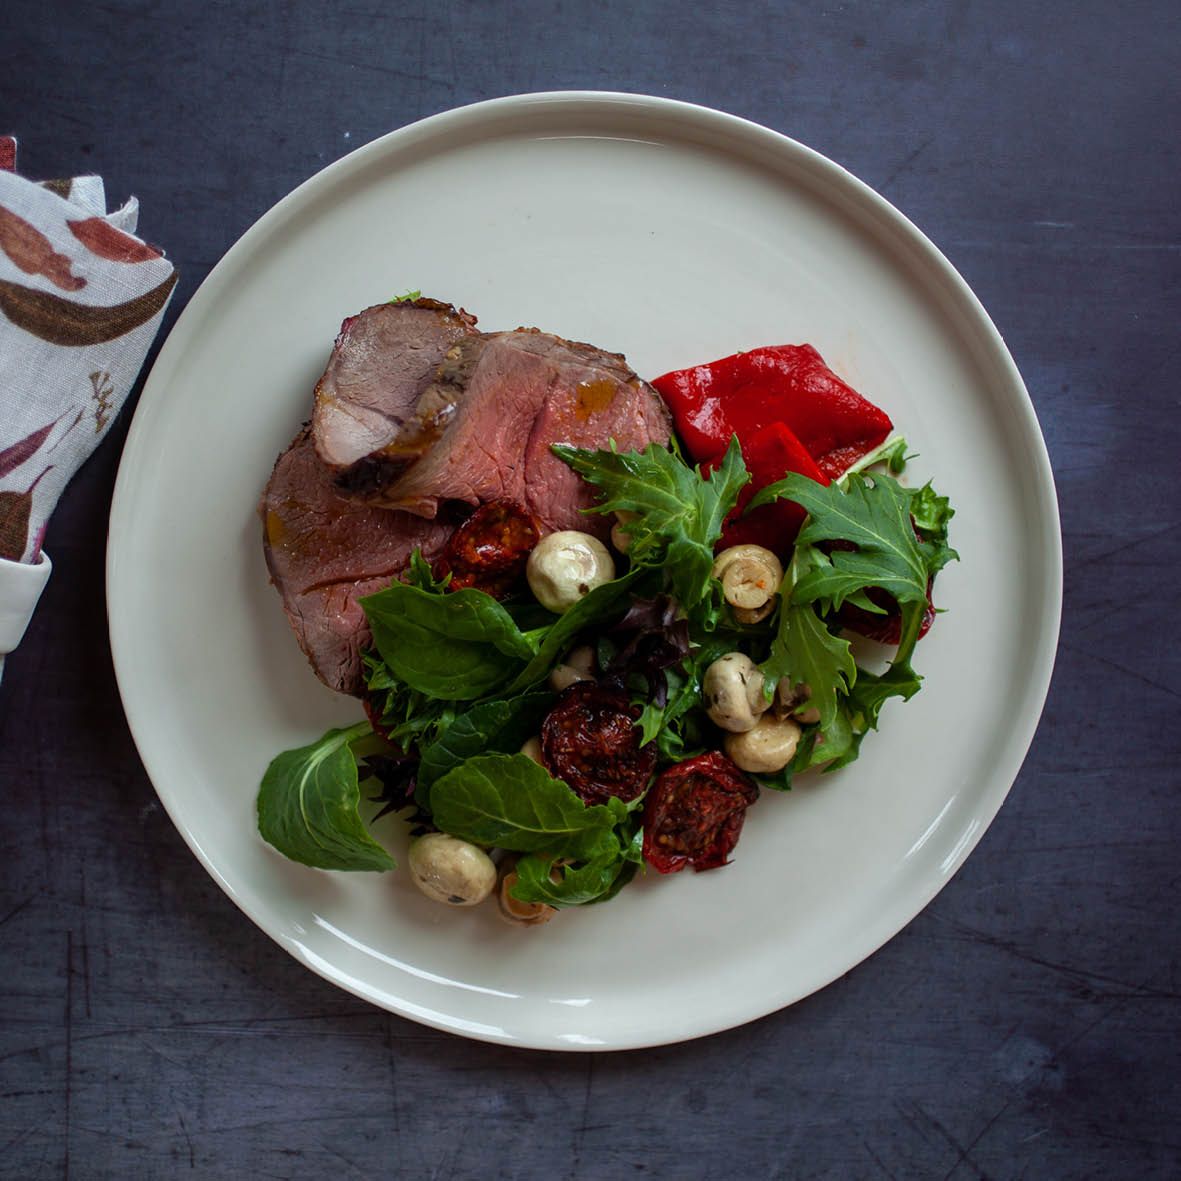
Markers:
367,422
326,551
511,395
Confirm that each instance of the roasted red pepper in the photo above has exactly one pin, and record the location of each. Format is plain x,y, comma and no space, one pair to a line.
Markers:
769,453
791,413
788,384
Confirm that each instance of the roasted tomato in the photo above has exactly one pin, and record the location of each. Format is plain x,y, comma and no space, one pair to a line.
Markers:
490,549
693,815
589,739
883,629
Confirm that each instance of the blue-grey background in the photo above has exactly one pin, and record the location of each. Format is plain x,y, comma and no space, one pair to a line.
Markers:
1026,1024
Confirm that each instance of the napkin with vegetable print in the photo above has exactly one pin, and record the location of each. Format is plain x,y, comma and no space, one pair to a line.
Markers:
81,299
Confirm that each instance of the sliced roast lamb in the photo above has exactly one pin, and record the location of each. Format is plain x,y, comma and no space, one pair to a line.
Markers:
325,551
417,410
510,395
369,420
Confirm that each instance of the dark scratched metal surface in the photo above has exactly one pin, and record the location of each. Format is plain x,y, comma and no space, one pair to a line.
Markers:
1027,1023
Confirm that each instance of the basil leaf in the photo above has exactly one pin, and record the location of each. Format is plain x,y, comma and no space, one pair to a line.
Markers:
510,802
498,726
307,805
457,646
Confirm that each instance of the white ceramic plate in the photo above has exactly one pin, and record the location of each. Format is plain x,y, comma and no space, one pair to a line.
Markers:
674,234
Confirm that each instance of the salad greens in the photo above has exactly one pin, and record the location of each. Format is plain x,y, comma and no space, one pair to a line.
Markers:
679,514
307,805
458,646
499,726
575,853
460,679
895,540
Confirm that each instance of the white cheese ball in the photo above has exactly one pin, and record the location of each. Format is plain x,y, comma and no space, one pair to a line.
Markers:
565,566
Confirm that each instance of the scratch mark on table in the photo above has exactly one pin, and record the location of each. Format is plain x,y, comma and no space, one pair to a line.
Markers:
1129,990
877,1160
393,1061
906,164
352,1164
69,1024
184,1129
19,1138
1131,672
931,1121
85,956
17,909
964,1159
1123,546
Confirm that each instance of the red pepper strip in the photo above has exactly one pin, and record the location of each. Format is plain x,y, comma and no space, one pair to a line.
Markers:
789,384
769,453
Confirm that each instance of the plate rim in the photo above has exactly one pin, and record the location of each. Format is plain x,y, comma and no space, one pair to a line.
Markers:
721,126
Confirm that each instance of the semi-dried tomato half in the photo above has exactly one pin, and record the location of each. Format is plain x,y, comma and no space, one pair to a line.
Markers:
882,629
693,815
490,549
589,740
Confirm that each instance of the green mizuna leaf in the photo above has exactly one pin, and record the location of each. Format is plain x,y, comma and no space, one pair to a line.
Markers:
873,515
804,651
544,879
861,533
679,513
891,454
932,514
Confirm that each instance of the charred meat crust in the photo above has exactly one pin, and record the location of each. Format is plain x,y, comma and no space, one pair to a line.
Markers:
367,477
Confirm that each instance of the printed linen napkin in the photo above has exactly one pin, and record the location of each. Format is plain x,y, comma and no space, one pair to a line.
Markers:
81,299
